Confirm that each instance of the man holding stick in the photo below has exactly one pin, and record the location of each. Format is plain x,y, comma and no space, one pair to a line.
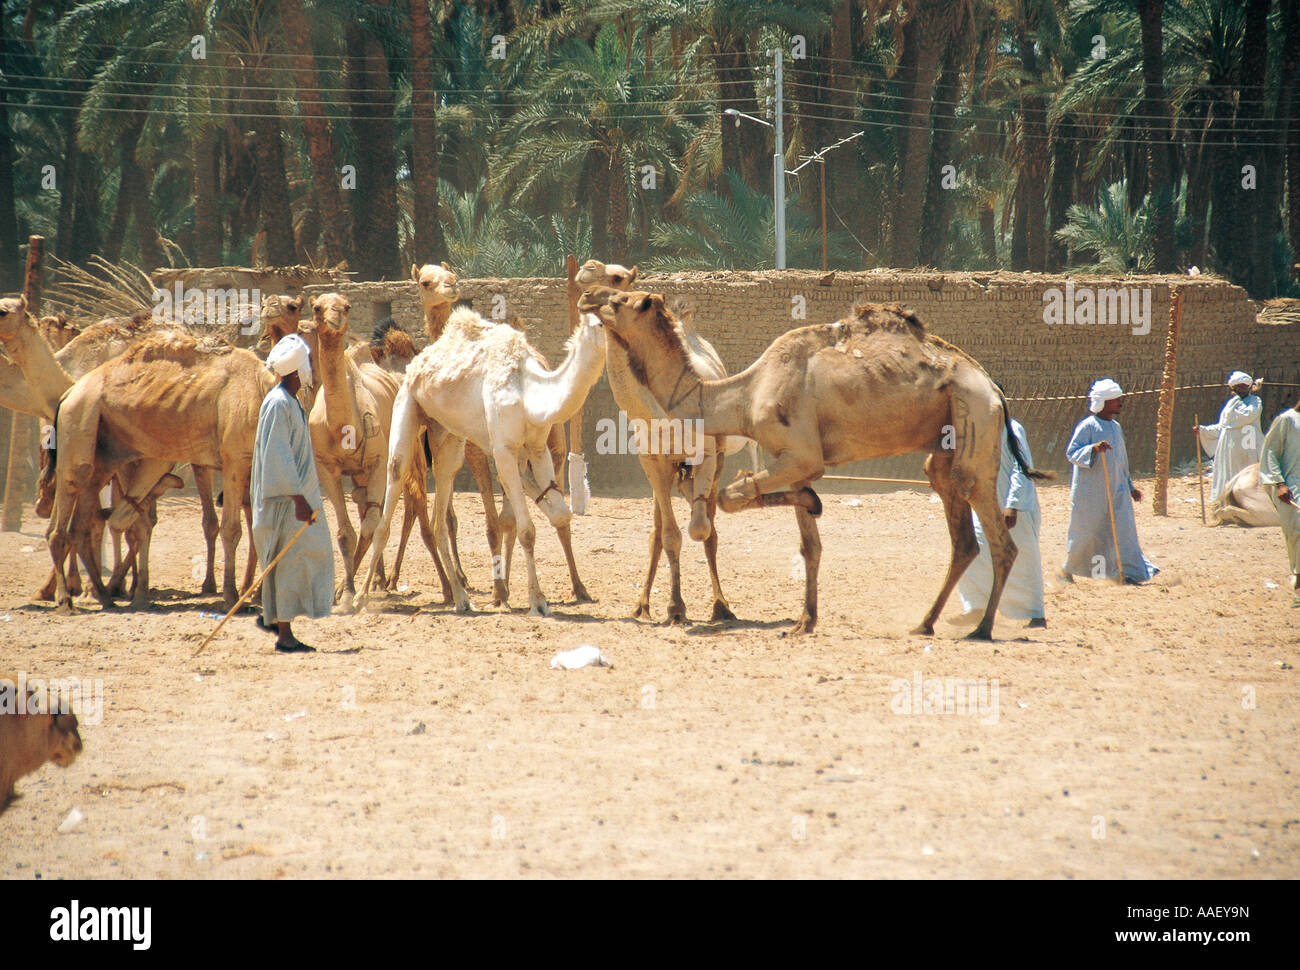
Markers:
1103,527
1279,471
285,491
1234,440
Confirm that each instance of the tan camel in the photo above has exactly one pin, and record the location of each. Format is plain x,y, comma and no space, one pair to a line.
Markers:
349,426
168,399
49,375
480,382
439,291
871,385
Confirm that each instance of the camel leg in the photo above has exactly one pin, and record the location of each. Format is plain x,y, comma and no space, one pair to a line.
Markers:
1002,549
642,611
721,610
453,530
403,439
512,484
203,483
408,522
366,523
58,539
765,489
482,471
660,473
235,473
810,545
961,531
448,457
134,514
332,485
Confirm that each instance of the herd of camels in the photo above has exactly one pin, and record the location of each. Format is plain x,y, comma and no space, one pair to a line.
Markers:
128,400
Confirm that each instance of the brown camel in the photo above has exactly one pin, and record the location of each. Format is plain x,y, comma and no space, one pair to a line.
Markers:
439,291
47,375
168,399
349,426
871,385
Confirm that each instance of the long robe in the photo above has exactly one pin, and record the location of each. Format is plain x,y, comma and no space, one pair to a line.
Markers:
1234,441
1279,464
1090,534
284,466
1022,597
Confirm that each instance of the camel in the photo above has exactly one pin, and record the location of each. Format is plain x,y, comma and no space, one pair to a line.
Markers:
28,740
47,375
349,426
168,399
871,385
480,382
1244,501
439,292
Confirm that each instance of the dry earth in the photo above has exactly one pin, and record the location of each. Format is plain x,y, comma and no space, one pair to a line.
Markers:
420,743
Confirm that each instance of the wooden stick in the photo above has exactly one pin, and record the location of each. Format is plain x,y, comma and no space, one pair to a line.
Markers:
1200,476
573,291
18,483
1110,505
887,481
256,583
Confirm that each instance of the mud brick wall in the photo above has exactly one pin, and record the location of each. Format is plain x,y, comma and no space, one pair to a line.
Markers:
998,318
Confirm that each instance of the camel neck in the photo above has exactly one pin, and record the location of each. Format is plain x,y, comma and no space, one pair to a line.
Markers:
435,319
557,395
41,369
722,406
333,365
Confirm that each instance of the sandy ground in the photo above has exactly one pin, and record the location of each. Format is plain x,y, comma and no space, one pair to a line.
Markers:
1148,732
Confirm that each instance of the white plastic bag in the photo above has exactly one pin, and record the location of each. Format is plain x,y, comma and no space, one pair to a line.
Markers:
583,656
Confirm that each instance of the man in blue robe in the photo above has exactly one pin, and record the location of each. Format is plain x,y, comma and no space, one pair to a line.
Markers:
1279,472
1090,544
285,492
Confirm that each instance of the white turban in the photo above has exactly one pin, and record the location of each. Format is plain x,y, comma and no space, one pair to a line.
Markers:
1238,377
291,354
1102,391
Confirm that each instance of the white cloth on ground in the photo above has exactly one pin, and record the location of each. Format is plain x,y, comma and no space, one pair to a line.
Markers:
284,466
1022,597
1090,538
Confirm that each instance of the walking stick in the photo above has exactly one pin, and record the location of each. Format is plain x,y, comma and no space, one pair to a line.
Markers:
1110,505
1200,476
256,583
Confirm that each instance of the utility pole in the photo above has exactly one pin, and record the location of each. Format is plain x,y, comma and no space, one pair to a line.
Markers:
819,157
778,167
822,164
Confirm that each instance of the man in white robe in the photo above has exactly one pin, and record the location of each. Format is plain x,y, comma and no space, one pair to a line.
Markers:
1279,472
285,492
1234,441
1090,544
1022,597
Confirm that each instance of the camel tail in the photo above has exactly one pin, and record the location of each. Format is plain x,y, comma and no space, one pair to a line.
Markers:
1023,462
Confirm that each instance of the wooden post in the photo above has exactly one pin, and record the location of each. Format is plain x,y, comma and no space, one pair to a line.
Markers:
822,165
573,292
17,482
1165,412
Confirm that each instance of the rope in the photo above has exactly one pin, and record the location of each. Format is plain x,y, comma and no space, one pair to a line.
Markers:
1154,390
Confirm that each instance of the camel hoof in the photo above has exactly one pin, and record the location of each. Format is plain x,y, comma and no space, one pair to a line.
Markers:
209,588
721,611
580,595
979,633
924,630
541,608
642,612
806,624
465,607
43,595
676,617
65,608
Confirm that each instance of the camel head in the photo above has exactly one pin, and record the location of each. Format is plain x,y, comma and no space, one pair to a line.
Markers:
331,313
626,313
438,284
282,313
595,273
13,317
57,330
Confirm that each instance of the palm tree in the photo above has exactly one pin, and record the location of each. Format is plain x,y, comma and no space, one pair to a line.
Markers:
428,239
1122,240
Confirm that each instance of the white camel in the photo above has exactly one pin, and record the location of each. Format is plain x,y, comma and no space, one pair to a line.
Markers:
478,382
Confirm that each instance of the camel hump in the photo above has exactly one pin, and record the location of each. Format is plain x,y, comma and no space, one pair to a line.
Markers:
892,317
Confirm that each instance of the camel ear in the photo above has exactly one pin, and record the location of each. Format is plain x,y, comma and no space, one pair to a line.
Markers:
657,301
445,266
415,273
631,276
22,303
645,303
314,302
295,303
